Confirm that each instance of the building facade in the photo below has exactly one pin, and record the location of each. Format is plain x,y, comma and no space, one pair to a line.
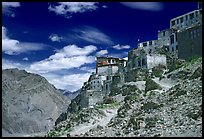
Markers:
190,42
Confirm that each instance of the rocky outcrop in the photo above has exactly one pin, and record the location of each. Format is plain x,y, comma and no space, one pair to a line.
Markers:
148,107
30,104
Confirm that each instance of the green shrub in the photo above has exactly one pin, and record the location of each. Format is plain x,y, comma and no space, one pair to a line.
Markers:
151,85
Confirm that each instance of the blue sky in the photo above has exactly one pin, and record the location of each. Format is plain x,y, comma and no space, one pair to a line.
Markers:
59,40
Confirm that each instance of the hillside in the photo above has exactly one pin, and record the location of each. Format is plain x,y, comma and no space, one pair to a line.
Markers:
168,105
29,103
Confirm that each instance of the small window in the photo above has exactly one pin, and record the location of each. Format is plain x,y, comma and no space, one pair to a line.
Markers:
143,62
173,22
109,61
191,34
191,15
172,39
172,49
98,81
186,17
194,33
176,47
150,42
164,33
139,64
196,13
198,32
90,94
145,44
177,21
181,20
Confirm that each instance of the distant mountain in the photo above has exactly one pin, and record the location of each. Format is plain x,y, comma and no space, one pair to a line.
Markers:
30,104
72,95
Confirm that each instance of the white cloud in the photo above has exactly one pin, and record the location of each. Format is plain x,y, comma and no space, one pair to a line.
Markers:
92,35
68,8
68,82
149,6
88,69
15,47
102,53
8,64
70,56
55,38
8,8
25,59
119,47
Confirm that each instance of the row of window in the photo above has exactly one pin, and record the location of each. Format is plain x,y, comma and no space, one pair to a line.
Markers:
93,87
194,33
141,63
191,16
145,43
94,82
172,49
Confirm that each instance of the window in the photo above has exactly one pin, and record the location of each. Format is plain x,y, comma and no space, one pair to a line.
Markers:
186,17
196,13
139,64
173,22
191,15
145,44
171,39
163,33
143,62
198,32
172,49
177,21
181,20
94,81
176,37
150,42
109,61
194,33
90,94
191,34
98,81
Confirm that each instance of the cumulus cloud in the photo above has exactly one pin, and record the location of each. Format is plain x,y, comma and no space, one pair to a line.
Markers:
93,35
68,82
55,38
15,47
8,8
70,56
8,64
148,6
66,9
119,47
102,53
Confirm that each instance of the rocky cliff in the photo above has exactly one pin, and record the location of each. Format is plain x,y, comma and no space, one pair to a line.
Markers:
166,103
30,104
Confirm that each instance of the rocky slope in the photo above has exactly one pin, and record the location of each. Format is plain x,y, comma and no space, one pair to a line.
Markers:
29,103
165,104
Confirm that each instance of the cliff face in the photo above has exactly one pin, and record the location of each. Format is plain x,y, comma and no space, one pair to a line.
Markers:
30,104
